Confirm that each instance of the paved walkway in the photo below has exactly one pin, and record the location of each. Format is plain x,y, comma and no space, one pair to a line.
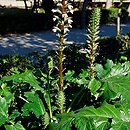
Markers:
26,43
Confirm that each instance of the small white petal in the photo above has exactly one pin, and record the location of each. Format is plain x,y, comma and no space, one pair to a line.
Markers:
70,7
54,19
54,30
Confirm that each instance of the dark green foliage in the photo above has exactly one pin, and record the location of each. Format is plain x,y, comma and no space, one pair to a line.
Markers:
111,84
89,118
20,21
36,106
109,48
110,15
72,58
13,64
30,96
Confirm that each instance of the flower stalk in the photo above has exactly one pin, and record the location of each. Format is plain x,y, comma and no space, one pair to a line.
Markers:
61,29
92,39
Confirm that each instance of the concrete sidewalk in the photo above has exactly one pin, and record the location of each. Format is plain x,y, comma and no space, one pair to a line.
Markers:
26,43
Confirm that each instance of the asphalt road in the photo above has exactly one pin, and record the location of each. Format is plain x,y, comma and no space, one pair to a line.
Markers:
23,44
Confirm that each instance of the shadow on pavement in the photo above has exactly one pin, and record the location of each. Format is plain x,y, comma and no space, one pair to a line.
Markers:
42,41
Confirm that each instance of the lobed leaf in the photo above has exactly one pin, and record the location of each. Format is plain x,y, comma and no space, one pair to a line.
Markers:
106,111
35,105
94,85
90,118
120,85
16,126
83,123
120,125
27,77
102,124
3,110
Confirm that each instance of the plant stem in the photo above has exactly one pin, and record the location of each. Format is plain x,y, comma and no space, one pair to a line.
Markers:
48,89
49,104
61,47
68,110
61,65
92,59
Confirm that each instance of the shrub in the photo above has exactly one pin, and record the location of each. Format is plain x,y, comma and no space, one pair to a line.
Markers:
19,21
110,15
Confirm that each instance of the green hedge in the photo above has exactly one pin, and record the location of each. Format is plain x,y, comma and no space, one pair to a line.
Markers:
110,15
20,21
107,16
17,20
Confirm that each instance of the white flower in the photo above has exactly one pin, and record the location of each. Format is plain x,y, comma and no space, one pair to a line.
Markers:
70,21
56,11
59,4
54,19
66,2
54,30
66,30
70,7
83,51
64,16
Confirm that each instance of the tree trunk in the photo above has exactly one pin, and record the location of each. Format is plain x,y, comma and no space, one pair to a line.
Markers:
34,8
119,19
118,23
108,4
26,6
83,19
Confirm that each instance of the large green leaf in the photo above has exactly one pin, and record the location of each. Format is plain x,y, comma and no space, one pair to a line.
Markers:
110,69
27,77
102,71
106,111
16,126
94,85
3,110
120,85
102,124
64,124
115,79
83,123
108,93
6,93
125,108
34,105
120,125
119,70
84,118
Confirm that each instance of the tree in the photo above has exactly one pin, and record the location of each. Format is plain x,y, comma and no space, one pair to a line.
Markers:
26,6
108,3
84,14
48,5
119,19
34,5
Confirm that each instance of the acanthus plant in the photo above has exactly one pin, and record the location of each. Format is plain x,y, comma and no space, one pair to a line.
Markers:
109,84
62,28
27,101
36,108
92,39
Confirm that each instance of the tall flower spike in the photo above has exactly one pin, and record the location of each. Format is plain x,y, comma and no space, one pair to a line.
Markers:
92,38
61,17
61,29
